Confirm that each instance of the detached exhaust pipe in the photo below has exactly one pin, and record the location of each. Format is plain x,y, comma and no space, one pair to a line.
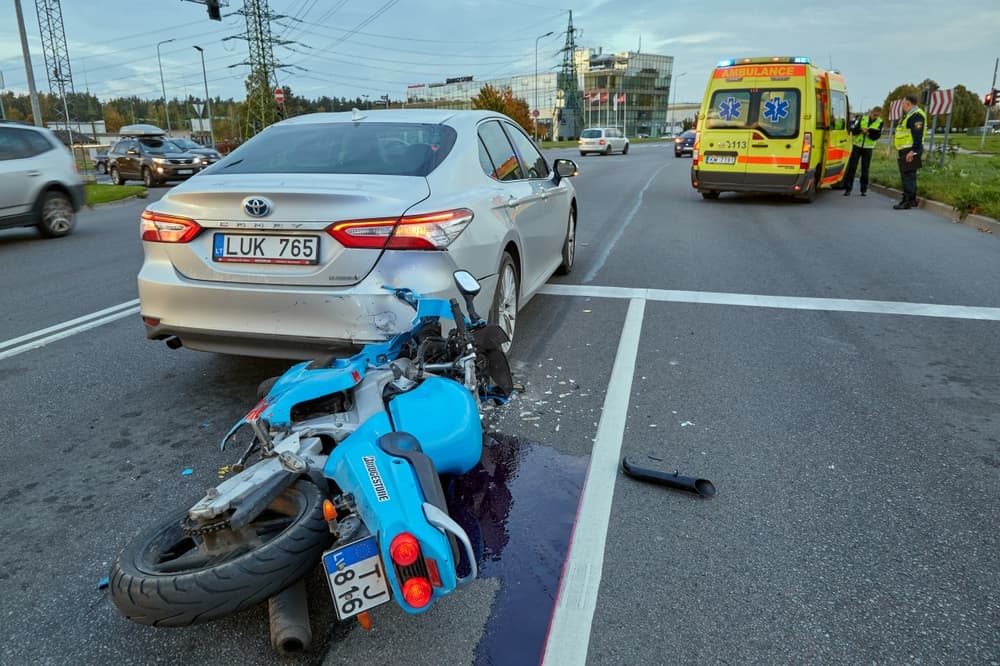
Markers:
174,342
289,614
700,487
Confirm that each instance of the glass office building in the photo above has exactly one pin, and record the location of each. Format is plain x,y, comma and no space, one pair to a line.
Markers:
629,90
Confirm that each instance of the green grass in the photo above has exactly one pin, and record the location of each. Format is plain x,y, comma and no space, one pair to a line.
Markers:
98,193
967,142
970,183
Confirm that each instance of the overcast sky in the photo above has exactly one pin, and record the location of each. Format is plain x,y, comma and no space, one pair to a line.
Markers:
373,47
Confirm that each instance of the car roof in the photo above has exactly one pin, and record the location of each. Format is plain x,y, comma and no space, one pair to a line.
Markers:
419,116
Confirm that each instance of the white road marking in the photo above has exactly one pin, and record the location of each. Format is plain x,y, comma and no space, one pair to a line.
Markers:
568,639
45,336
606,252
780,302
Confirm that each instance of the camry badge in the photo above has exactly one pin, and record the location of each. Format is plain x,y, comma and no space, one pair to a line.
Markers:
257,207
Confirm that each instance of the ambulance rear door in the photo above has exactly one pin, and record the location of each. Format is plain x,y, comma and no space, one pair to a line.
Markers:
725,138
775,152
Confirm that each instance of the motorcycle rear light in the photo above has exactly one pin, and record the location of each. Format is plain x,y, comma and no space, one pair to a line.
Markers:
404,549
431,231
159,228
432,572
329,511
417,592
807,139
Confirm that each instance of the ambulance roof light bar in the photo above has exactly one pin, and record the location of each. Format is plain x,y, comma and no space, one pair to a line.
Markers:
798,60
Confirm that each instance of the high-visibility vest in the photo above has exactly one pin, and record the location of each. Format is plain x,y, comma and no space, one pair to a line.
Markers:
902,138
862,141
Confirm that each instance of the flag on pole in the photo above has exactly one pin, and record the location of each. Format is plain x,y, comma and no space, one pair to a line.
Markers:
896,109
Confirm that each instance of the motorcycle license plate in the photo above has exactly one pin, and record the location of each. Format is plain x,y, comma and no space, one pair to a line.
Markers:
357,577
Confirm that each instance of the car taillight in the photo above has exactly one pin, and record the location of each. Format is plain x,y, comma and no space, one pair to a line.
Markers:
417,592
807,140
404,549
601,142
431,231
694,149
160,228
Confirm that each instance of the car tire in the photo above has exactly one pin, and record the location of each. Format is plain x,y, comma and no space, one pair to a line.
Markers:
116,177
625,149
569,246
55,215
710,195
607,151
505,299
583,154
676,154
147,177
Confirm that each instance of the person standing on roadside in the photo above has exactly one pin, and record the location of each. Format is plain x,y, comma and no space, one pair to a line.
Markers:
909,144
866,131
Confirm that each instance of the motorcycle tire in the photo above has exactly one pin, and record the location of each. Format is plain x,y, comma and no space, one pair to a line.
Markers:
152,584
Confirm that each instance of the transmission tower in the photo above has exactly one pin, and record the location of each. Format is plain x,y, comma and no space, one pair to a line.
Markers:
262,110
570,115
57,67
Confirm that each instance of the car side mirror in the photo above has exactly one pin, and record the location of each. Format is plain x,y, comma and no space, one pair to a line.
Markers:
467,283
564,168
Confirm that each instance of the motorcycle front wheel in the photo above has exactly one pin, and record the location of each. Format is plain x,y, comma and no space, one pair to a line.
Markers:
169,578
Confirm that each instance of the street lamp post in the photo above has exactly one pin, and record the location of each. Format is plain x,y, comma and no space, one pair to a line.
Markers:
163,87
208,102
673,93
535,109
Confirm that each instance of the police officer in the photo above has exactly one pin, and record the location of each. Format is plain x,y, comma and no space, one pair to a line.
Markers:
866,133
909,144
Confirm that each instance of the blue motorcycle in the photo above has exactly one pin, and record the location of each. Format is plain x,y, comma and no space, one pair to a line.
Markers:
347,458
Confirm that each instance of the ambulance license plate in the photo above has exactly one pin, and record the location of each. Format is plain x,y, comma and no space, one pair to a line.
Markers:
357,578
720,159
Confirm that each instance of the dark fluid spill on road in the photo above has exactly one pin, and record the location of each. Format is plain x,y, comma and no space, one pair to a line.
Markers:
518,505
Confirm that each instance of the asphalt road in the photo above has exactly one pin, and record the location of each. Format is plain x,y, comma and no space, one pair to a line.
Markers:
807,359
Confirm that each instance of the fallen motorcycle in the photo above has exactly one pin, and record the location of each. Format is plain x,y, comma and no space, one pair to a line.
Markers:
341,465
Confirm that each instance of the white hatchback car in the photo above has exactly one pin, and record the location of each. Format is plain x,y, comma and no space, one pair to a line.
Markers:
603,140
287,245
39,183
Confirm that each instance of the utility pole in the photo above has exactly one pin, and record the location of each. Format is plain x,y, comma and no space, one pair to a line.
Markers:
57,67
36,110
569,116
261,108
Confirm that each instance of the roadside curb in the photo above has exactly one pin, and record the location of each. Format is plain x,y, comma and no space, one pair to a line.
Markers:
978,222
116,201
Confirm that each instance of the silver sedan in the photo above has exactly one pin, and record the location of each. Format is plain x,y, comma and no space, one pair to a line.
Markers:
286,247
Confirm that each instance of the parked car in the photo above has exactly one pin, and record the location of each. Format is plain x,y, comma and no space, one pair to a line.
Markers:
101,160
207,154
684,144
604,140
145,154
287,247
39,182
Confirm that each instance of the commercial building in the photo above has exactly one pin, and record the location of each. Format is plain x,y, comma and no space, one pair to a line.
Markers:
627,89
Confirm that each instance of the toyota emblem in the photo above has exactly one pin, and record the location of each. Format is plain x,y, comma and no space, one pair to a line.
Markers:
257,207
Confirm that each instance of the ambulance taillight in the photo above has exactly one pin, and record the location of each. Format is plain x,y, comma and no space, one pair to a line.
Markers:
807,140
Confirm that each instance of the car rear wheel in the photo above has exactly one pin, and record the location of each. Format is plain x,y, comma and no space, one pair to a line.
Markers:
625,149
607,151
569,246
504,311
147,177
583,154
56,218
116,177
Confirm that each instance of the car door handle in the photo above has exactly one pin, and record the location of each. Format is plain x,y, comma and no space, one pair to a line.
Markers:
33,173
760,145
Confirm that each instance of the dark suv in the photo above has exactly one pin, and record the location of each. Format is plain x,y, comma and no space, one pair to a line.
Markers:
151,159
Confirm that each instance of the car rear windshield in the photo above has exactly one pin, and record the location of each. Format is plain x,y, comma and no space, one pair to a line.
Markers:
389,149
775,112
591,134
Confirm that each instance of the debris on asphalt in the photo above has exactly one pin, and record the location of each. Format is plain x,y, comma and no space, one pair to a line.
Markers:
187,472
103,583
